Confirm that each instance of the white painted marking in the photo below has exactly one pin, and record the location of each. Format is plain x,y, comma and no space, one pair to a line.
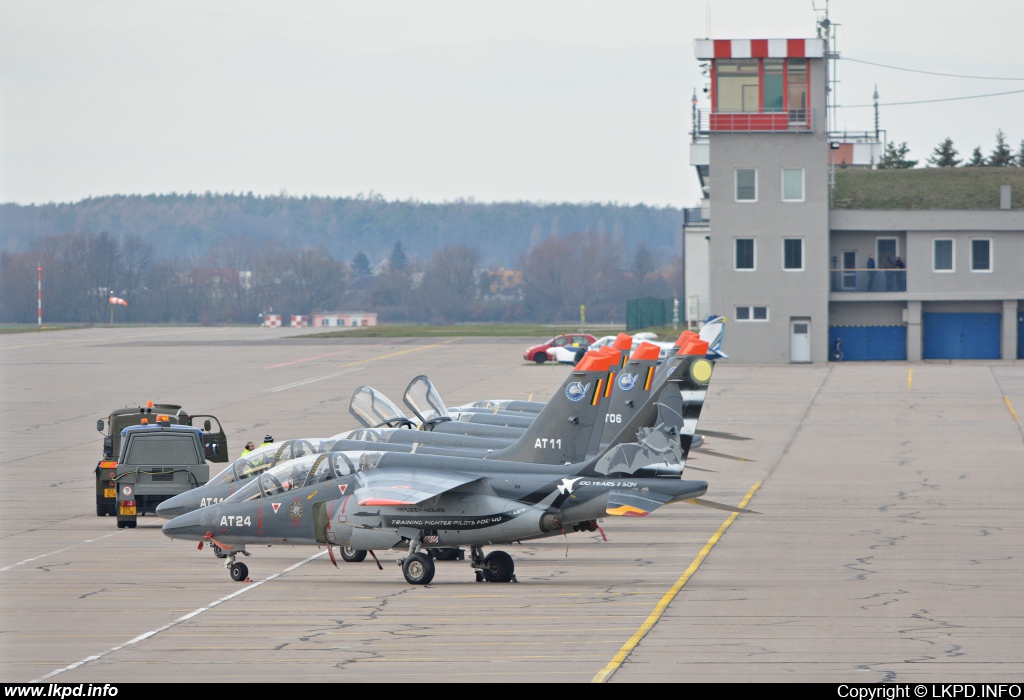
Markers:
310,381
48,554
26,561
183,618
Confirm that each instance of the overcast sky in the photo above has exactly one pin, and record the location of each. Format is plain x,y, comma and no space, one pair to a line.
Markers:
547,100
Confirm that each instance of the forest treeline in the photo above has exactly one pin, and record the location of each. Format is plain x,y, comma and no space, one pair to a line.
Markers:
179,225
246,276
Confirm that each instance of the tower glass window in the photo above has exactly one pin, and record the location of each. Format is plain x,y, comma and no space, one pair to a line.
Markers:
737,85
773,84
796,79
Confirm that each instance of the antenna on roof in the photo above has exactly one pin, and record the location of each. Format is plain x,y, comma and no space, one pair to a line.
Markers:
707,19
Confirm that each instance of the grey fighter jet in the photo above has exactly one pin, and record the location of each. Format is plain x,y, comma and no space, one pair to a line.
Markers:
564,435
380,500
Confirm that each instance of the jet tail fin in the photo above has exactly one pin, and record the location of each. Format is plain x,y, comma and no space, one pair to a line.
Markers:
672,412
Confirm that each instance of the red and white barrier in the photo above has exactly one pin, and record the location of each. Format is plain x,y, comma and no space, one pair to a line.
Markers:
300,321
272,320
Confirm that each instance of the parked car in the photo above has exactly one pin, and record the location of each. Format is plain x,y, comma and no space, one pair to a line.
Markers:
542,353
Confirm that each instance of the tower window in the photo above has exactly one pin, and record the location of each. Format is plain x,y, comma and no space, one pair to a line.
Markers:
745,254
746,185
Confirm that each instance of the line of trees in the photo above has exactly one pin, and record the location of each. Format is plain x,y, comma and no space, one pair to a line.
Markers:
249,276
945,155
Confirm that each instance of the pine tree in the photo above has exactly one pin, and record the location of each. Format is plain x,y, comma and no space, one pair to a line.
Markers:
1001,155
895,157
976,158
361,264
398,260
944,155
1020,155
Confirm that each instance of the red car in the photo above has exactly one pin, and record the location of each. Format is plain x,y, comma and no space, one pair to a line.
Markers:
539,354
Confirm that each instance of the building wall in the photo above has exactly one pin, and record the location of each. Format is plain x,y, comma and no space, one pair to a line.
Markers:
697,241
868,313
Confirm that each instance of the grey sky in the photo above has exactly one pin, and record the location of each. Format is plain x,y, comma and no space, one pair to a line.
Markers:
557,100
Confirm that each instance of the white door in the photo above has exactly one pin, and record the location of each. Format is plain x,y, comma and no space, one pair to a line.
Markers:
800,340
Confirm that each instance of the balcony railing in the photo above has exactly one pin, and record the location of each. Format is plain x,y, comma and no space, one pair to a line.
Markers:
696,215
864,280
792,121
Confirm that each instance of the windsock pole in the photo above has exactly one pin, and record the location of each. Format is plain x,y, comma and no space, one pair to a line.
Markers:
39,287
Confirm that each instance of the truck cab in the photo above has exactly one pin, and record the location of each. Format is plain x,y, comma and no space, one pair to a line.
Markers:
215,444
157,462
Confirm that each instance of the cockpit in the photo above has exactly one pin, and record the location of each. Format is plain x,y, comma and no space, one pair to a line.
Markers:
263,458
305,471
374,410
425,401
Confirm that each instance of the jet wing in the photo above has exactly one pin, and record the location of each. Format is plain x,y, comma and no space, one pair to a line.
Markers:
406,488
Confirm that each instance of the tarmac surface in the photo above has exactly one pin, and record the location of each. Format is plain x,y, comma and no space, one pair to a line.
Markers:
889,544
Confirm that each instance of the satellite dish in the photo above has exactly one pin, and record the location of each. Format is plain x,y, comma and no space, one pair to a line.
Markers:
825,23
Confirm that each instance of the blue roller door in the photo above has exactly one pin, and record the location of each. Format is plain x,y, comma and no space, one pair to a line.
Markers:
1020,336
961,336
870,342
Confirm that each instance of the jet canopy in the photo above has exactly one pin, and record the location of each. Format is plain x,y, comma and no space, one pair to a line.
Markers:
425,402
373,409
305,471
266,456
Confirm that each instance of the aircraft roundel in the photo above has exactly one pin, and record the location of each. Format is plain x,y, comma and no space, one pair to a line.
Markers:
627,381
701,371
575,391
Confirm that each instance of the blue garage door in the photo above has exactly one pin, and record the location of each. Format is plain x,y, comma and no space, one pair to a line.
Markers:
961,336
1020,336
870,342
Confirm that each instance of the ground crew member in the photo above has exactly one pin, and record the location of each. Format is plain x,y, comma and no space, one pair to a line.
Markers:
249,447
267,439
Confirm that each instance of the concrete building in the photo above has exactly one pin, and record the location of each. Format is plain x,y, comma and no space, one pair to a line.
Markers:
781,242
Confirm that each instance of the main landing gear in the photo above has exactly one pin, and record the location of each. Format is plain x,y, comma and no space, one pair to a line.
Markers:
496,567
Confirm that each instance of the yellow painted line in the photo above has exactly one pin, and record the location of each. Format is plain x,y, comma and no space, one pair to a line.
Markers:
652,619
910,378
1009,405
400,352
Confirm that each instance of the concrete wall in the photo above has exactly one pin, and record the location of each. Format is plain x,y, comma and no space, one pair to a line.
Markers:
865,313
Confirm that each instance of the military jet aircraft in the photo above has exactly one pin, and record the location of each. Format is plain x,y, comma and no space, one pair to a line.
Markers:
370,501
563,436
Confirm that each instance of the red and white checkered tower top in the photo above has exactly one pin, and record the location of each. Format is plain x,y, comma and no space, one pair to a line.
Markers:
709,49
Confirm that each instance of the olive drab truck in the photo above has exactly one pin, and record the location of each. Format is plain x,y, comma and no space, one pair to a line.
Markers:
162,485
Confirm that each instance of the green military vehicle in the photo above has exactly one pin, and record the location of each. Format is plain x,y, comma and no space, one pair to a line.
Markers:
214,448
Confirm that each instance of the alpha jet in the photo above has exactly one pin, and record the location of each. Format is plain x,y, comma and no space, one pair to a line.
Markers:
384,500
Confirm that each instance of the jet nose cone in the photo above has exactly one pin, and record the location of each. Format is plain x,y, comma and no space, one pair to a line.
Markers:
178,505
187,526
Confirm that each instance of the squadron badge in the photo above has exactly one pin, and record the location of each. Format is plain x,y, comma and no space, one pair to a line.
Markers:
627,381
576,391
295,510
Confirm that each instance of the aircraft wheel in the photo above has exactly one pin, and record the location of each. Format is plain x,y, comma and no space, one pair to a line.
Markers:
418,569
239,571
352,554
219,553
498,567
445,553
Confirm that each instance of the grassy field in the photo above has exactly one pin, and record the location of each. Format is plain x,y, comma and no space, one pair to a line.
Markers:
484,330
458,331
28,328
927,188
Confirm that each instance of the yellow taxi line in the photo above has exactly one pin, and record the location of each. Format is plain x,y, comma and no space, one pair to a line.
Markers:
1006,400
663,604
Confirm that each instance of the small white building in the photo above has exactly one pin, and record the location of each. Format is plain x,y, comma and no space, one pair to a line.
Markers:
343,319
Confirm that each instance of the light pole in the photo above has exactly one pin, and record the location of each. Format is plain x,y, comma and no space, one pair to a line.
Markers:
39,302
